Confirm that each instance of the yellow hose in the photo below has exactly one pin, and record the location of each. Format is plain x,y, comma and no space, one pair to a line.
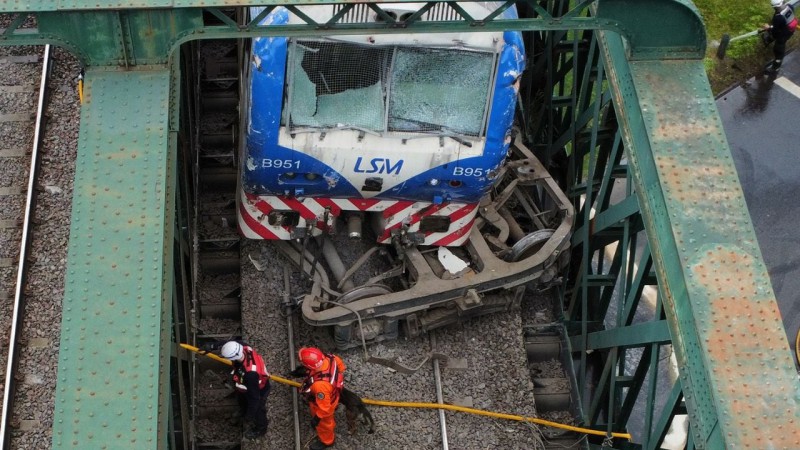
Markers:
447,407
481,412
80,88
225,361
205,353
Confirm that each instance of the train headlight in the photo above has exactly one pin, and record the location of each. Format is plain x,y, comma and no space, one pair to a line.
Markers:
434,224
283,218
434,182
311,176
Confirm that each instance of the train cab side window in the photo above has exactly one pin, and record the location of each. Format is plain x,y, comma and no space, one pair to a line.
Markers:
285,101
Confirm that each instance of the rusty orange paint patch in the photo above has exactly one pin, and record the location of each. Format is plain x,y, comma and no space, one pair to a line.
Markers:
742,334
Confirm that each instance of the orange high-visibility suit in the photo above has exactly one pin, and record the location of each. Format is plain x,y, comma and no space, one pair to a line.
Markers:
323,397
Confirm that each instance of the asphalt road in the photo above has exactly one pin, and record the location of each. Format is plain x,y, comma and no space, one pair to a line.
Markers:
762,122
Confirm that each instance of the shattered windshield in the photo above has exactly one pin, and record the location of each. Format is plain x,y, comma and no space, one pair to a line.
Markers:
439,89
338,85
341,85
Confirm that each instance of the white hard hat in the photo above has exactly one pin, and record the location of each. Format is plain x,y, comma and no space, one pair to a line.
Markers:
776,3
232,350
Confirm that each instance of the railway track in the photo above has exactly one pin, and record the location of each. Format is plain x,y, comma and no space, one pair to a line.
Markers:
39,130
216,303
23,121
508,362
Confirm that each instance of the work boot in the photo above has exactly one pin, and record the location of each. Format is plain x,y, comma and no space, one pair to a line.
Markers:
254,433
771,68
316,444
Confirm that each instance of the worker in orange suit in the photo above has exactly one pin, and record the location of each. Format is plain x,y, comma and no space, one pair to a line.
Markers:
324,380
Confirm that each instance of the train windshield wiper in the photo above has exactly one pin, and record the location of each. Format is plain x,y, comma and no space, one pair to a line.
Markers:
323,128
353,127
439,130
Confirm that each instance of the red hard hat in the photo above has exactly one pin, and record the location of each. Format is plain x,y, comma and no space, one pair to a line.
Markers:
311,357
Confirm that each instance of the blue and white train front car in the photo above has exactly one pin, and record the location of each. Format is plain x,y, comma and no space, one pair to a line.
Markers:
411,128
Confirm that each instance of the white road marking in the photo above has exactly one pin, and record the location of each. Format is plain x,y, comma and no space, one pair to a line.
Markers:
789,86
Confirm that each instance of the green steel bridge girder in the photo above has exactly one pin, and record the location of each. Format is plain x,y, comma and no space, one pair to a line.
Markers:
115,347
145,32
737,373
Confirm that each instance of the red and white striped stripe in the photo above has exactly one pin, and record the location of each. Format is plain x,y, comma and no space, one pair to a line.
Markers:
253,211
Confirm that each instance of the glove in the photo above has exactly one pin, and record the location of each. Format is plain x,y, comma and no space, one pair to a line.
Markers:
209,347
315,421
299,371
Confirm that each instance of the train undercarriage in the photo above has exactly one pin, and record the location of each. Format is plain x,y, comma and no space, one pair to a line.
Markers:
520,240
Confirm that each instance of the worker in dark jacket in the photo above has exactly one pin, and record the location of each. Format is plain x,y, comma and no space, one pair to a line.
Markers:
780,30
324,380
251,381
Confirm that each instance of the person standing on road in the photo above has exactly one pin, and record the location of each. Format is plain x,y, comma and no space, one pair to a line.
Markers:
324,380
251,382
780,30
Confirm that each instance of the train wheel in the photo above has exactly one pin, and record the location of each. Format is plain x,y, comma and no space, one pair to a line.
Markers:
529,245
343,335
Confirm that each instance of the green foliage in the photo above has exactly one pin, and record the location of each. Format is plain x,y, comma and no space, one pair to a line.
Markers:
733,17
743,48
744,57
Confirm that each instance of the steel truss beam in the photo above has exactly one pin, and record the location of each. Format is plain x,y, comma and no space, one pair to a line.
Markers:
659,210
137,33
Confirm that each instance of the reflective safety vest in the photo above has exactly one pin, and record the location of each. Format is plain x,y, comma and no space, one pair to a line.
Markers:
333,376
791,21
252,363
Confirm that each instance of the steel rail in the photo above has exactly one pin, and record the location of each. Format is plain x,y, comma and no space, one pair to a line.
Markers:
22,266
195,226
287,304
437,375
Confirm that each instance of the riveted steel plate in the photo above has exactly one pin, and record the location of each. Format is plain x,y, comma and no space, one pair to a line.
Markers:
735,366
111,362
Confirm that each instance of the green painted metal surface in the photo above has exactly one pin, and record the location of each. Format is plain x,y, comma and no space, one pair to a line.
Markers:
657,29
135,33
119,38
113,360
631,336
738,377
